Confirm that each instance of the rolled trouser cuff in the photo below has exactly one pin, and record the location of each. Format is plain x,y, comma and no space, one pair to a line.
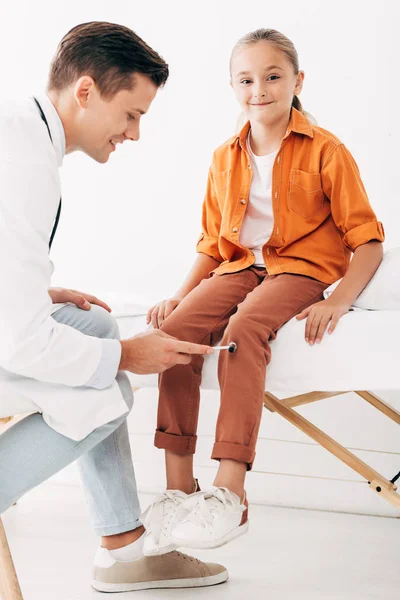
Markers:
180,444
234,452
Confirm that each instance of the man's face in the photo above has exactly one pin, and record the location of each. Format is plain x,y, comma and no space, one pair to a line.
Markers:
102,124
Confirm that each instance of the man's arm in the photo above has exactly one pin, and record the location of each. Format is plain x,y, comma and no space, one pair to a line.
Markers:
32,344
155,352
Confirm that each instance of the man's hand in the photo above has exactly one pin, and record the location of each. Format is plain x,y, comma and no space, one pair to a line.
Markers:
81,300
155,352
319,315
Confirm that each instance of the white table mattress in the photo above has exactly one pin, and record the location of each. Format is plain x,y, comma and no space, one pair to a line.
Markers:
363,353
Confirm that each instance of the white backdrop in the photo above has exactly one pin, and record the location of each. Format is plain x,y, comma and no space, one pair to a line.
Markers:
129,228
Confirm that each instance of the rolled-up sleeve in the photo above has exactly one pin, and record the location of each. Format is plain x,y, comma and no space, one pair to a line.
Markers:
350,206
208,242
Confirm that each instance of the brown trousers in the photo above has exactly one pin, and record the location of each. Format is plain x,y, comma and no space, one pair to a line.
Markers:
248,308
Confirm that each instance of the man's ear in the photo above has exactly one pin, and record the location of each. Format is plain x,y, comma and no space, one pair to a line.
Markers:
83,88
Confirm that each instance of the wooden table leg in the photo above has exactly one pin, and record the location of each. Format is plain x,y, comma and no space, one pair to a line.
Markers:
385,488
9,585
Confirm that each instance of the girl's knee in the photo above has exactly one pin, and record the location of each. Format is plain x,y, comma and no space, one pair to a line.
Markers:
244,326
172,327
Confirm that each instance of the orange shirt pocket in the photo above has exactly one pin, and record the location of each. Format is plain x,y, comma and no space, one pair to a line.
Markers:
306,196
221,179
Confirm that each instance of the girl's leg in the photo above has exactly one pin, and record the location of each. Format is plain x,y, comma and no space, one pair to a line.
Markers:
179,471
242,374
232,474
219,516
204,312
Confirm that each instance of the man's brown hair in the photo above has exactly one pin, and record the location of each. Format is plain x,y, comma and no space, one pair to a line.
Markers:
108,53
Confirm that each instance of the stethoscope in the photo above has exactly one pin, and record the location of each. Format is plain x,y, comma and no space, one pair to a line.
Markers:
42,115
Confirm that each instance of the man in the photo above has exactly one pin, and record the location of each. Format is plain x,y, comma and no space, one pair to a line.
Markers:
65,363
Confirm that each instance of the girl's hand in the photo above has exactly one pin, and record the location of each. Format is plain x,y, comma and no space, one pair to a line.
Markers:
319,315
159,312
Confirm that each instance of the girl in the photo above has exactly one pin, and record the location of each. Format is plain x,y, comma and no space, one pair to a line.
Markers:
284,209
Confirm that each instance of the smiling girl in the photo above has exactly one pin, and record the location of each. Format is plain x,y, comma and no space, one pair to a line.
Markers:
284,210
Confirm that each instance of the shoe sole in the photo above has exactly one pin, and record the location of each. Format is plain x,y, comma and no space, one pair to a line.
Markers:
235,533
167,583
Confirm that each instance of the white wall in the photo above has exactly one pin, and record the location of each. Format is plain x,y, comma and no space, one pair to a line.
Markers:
130,227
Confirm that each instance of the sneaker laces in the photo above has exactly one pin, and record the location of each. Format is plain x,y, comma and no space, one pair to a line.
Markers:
206,506
186,556
158,517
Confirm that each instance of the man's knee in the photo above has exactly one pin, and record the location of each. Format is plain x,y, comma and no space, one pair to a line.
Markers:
96,322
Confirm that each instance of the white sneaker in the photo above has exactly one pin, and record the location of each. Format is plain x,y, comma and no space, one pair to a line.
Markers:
160,518
214,519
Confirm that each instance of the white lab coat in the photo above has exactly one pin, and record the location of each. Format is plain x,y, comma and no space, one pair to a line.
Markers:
44,365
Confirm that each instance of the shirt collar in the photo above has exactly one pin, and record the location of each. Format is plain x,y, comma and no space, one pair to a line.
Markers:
298,123
55,125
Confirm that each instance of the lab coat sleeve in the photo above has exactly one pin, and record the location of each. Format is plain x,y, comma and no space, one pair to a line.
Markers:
32,343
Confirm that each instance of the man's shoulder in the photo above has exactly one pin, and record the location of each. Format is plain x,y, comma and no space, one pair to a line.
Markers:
18,114
20,126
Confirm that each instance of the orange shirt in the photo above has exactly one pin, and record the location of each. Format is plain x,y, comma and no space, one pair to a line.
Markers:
321,209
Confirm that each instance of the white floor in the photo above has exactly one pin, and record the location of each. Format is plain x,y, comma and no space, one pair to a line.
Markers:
287,554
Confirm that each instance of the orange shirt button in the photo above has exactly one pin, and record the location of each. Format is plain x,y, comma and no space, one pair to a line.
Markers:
235,230
243,201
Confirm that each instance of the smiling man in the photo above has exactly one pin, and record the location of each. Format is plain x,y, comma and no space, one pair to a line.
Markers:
65,364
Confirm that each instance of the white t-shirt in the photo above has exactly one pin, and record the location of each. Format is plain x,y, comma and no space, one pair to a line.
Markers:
258,221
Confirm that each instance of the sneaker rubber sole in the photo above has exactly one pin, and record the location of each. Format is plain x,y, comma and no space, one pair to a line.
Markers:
232,535
166,583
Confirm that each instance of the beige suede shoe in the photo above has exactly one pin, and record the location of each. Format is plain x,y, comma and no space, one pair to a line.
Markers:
172,570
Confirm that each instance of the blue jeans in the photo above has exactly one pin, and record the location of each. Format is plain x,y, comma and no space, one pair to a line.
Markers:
31,452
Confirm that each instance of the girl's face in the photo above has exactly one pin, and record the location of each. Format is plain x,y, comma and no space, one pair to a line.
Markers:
264,82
